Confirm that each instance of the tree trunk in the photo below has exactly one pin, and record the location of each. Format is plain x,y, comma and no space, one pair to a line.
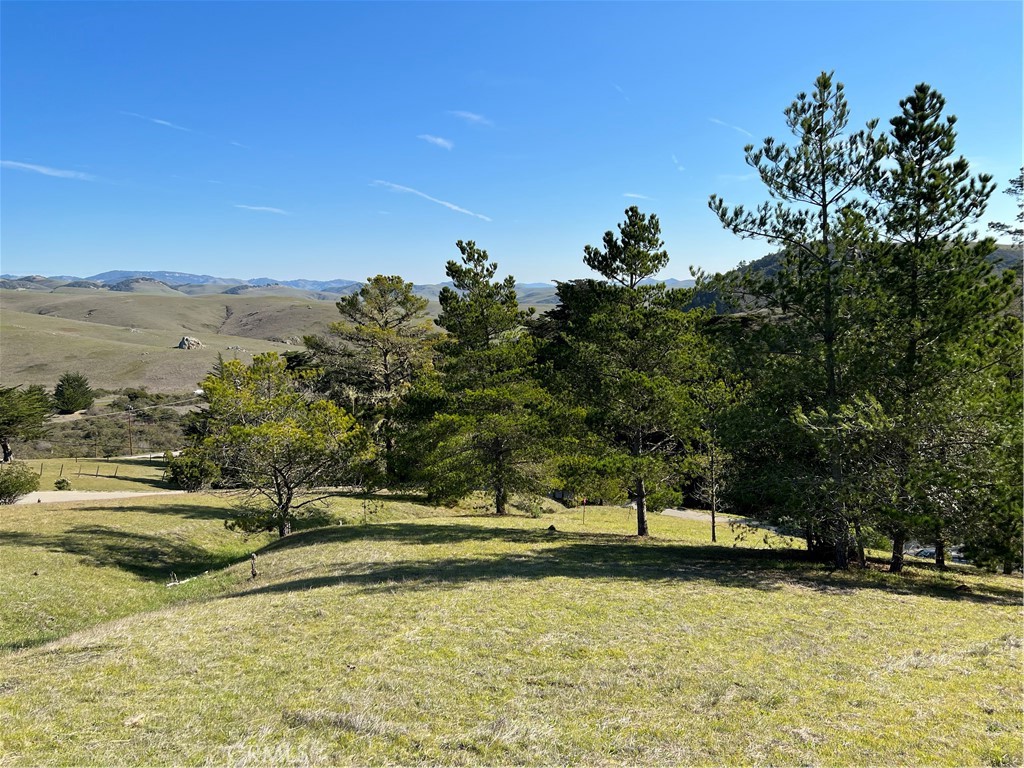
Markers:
284,527
899,540
843,549
940,554
861,559
641,508
714,496
1007,567
500,500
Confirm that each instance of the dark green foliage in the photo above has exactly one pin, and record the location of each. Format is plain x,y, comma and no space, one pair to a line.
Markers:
493,426
17,479
72,393
23,412
192,471
479,310
62,484
636,254
632,357
372,356
804,323
931,301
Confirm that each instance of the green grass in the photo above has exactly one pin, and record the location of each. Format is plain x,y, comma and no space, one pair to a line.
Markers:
117,474
469,639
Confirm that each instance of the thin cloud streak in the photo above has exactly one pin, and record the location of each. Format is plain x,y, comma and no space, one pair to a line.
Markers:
470,117
158,121
264,209
437,141
675,162
47,171
724,124
624,95
445,203
636,196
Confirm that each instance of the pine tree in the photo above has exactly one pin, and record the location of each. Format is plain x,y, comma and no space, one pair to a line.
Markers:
632,357
72,393
373,355
818,218
935,300
493,426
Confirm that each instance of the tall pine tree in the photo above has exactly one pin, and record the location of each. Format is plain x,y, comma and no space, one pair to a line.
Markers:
817,216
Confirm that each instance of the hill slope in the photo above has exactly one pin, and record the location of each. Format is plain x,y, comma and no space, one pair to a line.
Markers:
477,640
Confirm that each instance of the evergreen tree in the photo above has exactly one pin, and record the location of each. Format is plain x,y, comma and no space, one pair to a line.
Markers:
818,217
372,356
493,426
632,357
23,415
72,393
935,299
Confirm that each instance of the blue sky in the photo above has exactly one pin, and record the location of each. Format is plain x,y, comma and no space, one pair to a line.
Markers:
329,139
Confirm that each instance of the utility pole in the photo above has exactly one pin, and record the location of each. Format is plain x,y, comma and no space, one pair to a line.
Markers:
130,451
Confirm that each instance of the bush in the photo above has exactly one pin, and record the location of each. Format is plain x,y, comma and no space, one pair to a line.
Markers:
62,484
192,472
17,479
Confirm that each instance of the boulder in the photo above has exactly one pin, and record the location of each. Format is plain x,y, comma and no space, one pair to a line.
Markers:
187,342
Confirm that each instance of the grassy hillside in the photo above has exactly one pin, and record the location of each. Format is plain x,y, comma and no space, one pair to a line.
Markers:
467,639
129,339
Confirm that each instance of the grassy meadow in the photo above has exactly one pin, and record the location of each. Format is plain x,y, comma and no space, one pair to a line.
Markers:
411,635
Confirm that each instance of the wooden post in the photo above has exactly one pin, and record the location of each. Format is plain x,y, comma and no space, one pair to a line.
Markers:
97,470
61,471
116,467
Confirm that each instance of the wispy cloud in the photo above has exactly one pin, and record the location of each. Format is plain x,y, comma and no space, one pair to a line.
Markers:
264,209
636,196
619,89
744,131
675,162
445,203
47,171
437,141
238,144
158,121
470,117
736,176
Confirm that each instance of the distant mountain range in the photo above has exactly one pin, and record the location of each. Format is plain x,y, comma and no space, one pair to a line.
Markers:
178,283
155,281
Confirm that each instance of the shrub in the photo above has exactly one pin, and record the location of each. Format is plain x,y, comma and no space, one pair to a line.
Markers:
62,484
192,472
17,479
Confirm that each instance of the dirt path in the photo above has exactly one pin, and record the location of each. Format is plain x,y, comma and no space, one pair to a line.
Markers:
46,497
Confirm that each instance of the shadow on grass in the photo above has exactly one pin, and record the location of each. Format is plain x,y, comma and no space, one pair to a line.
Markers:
184,511
598,556
151,557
